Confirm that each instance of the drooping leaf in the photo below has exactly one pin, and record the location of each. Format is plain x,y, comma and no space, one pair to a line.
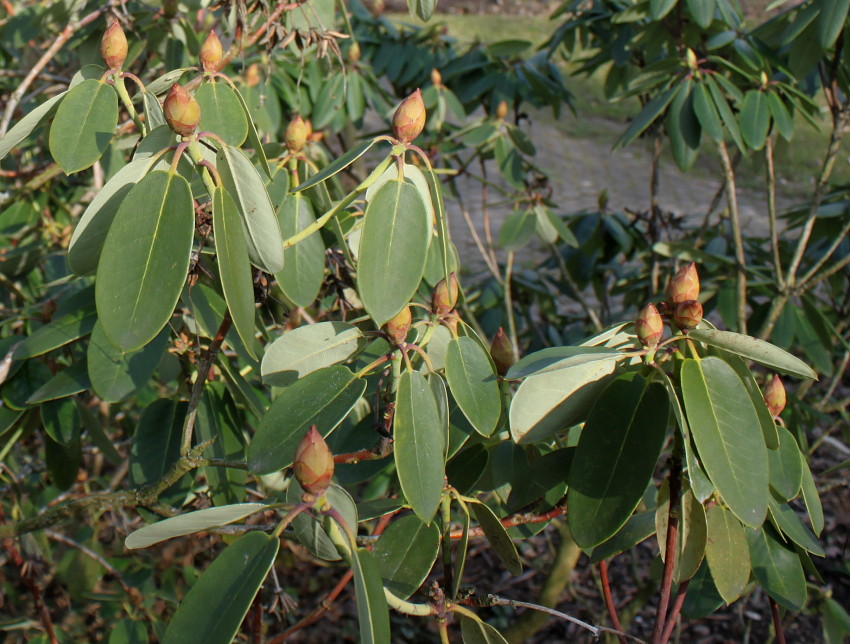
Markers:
831,20
498,537
683,127
67,382
234,269
24,127
221,113
322,398
812,500
156,442
144,260
638,528
785,466
61,421
755,119
691,542
219,420
213,609
727,553
305,349
190,523
262,233
473,384
777,568
310,529
83,126
115,374
789,524
405,553
393,249
728,437
647,116
337,165
419,445
57,333
615,458
475,631
660,8
702,11
756,350
303,270
372,611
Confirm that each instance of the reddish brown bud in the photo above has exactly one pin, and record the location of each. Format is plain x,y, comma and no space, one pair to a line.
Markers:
113,46
444,296
649,326
436,78
211,53
502,352
687,314
685,285
252,75
409,118
774,396
313,464
296,134
182,112
501,110
398,327
354,52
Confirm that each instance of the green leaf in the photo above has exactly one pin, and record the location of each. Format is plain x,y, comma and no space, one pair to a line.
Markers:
552,401
90,233
31,377
727,552
690,546
706,112
831,19
393,249
756,350
84,124
213,609
57,333
473,384
310,529
322,398
755,119
647,116
254,138
702,11
154,116
777,568
308,348
23,128
304,263
725,112
785,466
728,437
156,442
62,462
241,180
660,8
702,598
115,373
557,358
474,631
517,229
61,421
337,165
683,127
234,269
144,261
462,547
638,528
498,537
67,382
785,520
405,553
421,8
190,523
781,115
222,113
219,420
615,458
768,425
419,445
372,611
812,500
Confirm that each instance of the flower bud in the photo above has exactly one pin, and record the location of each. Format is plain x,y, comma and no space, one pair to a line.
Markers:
409,118
774,396
113,46
296,134
687,314
444,296
252,75
354,52
501,110
398,327
685,285
182,112
211,53
313,464
649,326
502,352
436,78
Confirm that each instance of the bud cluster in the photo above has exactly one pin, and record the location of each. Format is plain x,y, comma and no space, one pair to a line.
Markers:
682,308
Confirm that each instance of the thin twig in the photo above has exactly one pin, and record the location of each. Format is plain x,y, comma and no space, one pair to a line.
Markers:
777,622
513,520
737,236
671,543
609,600
681,592
770,169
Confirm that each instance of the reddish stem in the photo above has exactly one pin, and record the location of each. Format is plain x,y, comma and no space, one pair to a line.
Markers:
609,600
519,518
669,549
777,622
674,612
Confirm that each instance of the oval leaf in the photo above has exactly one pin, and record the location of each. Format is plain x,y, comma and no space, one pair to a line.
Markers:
212,611
777,568
23,128
304,263
419,445
372,611
405,553
498,537
322,398
114,373
145,259
84,124
726,430
474,631
785,466
190,523
393,249
222,113
306,349
473,384
727,553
